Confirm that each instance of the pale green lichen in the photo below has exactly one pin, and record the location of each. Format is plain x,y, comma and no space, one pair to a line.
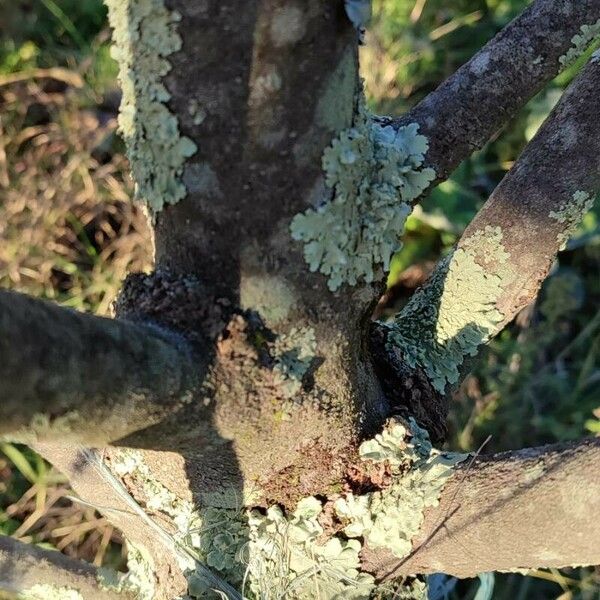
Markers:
144,35
287,560
570,214
334,111
390,518
580,43
375,173
270,296
268,554
293,354
140,573
397,445
456,310
46,591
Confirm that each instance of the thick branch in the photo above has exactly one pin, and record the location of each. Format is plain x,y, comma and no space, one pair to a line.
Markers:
23,566
65,374
484,94
514,510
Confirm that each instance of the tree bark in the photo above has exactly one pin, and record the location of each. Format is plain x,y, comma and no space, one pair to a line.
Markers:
71,376
536,205
23,566
516,510
279,82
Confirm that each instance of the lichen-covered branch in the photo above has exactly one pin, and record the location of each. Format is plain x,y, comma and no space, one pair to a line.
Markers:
484,94
34,573
69,375
511,511
157,558
507,250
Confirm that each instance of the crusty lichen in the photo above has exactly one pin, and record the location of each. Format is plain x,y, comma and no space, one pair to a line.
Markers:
270,554
570,214
375,173
456,310
144,35
580,43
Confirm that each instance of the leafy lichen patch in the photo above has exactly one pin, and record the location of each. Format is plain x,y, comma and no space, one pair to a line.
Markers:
273,554
144,35
287,560
456,310
375,173
570,214
390,518
580,43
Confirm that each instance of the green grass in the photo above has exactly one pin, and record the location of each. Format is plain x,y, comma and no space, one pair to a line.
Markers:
70,233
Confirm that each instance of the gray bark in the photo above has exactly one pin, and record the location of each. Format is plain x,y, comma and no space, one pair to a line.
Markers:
260,140
485,93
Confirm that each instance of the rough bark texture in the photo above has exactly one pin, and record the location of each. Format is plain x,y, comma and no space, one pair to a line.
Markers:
486,92
23,566
91,479
512,241
69,375
515,510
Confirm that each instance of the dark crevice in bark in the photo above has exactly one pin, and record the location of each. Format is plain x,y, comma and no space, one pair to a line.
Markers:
409,391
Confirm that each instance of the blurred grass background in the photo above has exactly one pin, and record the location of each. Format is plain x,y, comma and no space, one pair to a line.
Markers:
69,232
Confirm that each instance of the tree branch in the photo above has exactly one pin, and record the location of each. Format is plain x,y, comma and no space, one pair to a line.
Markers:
23,566
486,92
509,247
65,374
542,199
510,511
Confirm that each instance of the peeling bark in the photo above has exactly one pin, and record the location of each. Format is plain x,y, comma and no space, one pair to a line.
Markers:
516,510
